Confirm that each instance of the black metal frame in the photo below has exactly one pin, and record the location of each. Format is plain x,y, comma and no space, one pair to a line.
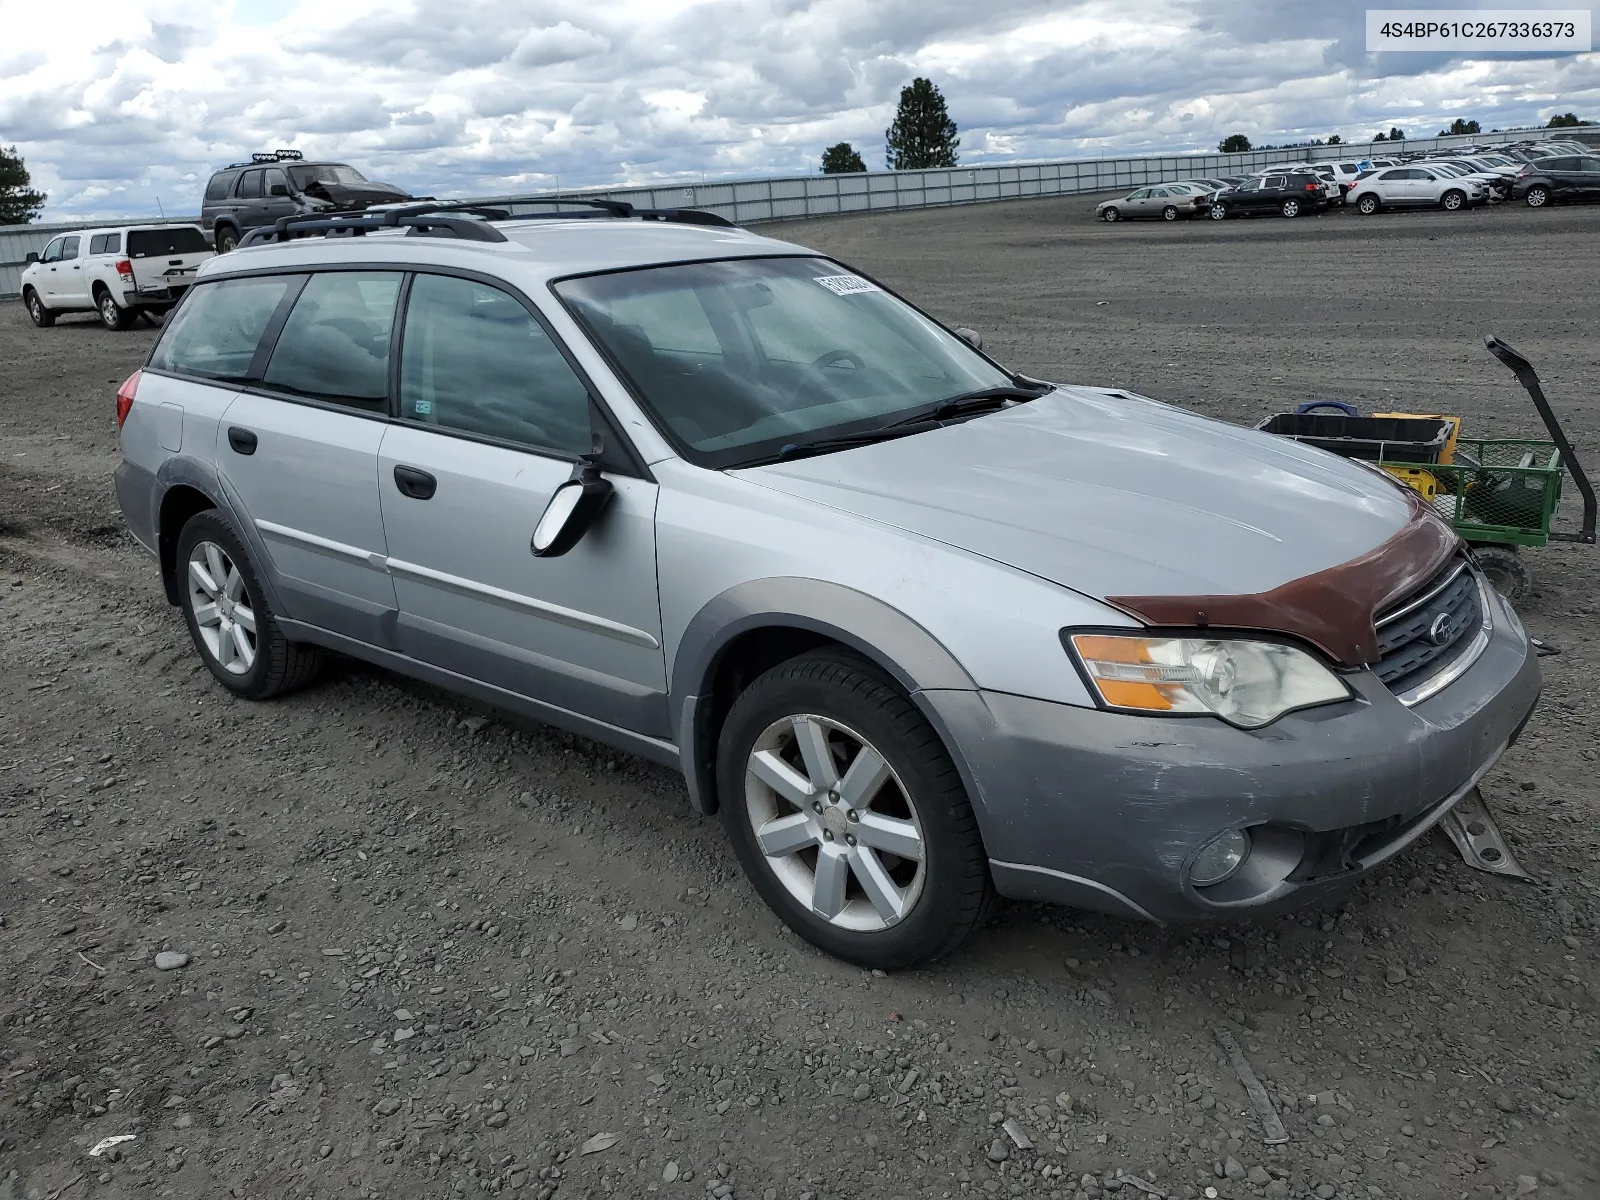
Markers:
1523,370
466,220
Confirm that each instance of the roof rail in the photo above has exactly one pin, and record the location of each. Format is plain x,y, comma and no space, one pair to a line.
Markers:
466,219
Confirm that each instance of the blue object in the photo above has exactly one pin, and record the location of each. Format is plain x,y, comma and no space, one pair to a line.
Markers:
1349,410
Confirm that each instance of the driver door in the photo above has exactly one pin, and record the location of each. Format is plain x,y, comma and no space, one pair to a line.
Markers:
491,420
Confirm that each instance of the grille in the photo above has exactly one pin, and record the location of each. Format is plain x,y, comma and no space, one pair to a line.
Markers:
1430,630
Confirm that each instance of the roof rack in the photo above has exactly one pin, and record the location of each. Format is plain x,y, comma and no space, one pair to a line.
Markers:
472,222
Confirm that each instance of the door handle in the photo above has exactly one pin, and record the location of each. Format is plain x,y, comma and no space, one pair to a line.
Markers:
419,485
242,440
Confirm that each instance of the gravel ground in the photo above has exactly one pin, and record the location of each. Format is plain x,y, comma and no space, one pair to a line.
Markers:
371,941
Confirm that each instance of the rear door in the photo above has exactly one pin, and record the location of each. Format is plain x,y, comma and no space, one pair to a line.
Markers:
491,419
1589,177
299,447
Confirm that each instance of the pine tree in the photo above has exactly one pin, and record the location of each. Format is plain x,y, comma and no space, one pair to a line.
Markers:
1396,134
923,135
843,159
19,203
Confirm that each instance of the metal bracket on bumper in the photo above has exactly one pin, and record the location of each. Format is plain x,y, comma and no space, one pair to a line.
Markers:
1478,838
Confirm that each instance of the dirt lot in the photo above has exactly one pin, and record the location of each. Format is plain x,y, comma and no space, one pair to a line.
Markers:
435,952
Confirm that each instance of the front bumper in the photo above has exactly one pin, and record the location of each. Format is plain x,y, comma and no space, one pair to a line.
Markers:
1107,811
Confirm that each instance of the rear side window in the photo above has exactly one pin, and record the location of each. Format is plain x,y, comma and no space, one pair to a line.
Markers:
335,345
105,243
221,184
179,239
474,359
217,329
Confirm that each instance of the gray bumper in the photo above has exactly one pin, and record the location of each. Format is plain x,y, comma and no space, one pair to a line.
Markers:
1106,811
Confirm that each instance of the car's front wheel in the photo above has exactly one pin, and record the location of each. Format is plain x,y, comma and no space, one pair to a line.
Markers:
848,814
1367,205
1219,211
1538,196
1111,216
37,312
228,616
226,238
1452,200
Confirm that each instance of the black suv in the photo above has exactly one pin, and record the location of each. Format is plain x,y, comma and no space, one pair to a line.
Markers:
1564,177
281,183
1289,194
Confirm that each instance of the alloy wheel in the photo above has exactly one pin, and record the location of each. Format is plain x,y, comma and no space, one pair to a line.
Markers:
1537,197
1218,212
839,830
1291,208
223,613
109,316
35,308
1110,214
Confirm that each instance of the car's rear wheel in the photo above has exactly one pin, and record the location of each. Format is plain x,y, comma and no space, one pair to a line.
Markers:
37,312
1538,196
1111,216
1219,211
1452,200
1169,213
1367,205
849,816
229,618
1291,208
112,315
226,238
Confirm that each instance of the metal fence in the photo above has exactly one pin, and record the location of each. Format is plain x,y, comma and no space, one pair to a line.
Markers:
752,201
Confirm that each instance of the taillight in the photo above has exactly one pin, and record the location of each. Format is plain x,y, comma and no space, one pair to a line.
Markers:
125,395
1313,187
125,269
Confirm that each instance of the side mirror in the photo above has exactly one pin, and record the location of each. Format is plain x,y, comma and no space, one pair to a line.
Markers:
278,189
31,257
970,336
573,508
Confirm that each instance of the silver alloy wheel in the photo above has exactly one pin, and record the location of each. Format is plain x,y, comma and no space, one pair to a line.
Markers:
1169,213
1218,212
1452,201
109,316
1110,214
1368,205
839,830
1537,196
1291,208
222,609
35,308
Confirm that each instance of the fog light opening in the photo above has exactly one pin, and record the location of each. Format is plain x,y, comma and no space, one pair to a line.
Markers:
1220,858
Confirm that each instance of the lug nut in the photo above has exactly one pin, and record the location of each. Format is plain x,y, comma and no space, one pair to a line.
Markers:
816,806
850,839
827,835
852,815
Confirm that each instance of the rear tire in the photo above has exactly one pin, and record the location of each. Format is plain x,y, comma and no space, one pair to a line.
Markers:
237,635
1505,570
1290,209
226,238
1367,205
850,710
1169,213
112,315
1452,201
1538,196
1111,216
41,316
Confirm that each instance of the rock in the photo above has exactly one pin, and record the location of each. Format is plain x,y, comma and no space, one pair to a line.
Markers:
1233,1169
1526,1184
1506,1102
599,1142
998,1151
1395,975
669,1173
862,1091
1018,1137
386,1107
628,923
474,724
466,1067
497,1120
1258,1176
1064,1101
171,960
403,1016
1056,1057
569,1047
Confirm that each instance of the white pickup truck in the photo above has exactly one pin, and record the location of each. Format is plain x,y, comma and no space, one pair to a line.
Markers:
117,272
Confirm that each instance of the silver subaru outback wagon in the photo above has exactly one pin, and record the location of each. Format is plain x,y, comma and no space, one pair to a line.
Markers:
923,631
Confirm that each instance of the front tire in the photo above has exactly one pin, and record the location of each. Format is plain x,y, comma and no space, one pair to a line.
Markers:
226,610
112,315
1452,201
849,816
1538,196
1111,216
1219,211
1290,209
41,316
1367,205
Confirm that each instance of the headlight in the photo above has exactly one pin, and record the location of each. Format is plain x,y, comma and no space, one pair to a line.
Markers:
1246,683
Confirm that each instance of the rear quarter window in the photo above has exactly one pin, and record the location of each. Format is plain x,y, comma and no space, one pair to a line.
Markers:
105,243
217,330
180,239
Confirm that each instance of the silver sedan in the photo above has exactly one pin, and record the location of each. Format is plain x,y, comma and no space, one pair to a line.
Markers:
1167,201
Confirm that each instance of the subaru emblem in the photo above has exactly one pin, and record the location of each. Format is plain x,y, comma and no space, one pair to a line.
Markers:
1442,629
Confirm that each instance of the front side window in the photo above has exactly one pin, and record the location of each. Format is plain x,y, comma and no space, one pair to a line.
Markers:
475,360
335,344
216,331
276,178
736,358
69,248
250,185
52,252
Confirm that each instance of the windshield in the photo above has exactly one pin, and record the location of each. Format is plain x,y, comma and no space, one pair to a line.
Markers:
738,358
303,177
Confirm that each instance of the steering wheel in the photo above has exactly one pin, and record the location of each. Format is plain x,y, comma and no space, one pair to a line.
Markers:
813,373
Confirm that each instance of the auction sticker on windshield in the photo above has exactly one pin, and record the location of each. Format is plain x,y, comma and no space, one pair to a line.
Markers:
1493,30
847,285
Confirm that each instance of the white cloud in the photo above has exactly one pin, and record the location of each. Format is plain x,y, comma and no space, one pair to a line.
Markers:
480,96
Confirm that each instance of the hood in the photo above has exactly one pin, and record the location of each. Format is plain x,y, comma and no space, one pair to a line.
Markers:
1113,495
357,195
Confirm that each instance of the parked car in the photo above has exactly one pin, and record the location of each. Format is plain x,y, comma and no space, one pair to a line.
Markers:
121,272
1494,184
752,515
1168,202
280,183
1564,177
1415,187
1287,195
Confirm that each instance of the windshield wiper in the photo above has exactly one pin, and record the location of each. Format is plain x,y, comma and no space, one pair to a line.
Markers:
845,441
981,400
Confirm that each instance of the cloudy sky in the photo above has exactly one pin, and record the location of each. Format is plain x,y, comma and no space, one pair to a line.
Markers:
123,105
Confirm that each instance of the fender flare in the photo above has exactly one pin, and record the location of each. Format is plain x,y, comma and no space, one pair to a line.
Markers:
180,471
884,635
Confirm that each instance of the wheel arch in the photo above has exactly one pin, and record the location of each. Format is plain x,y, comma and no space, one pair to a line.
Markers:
752,627
179,503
